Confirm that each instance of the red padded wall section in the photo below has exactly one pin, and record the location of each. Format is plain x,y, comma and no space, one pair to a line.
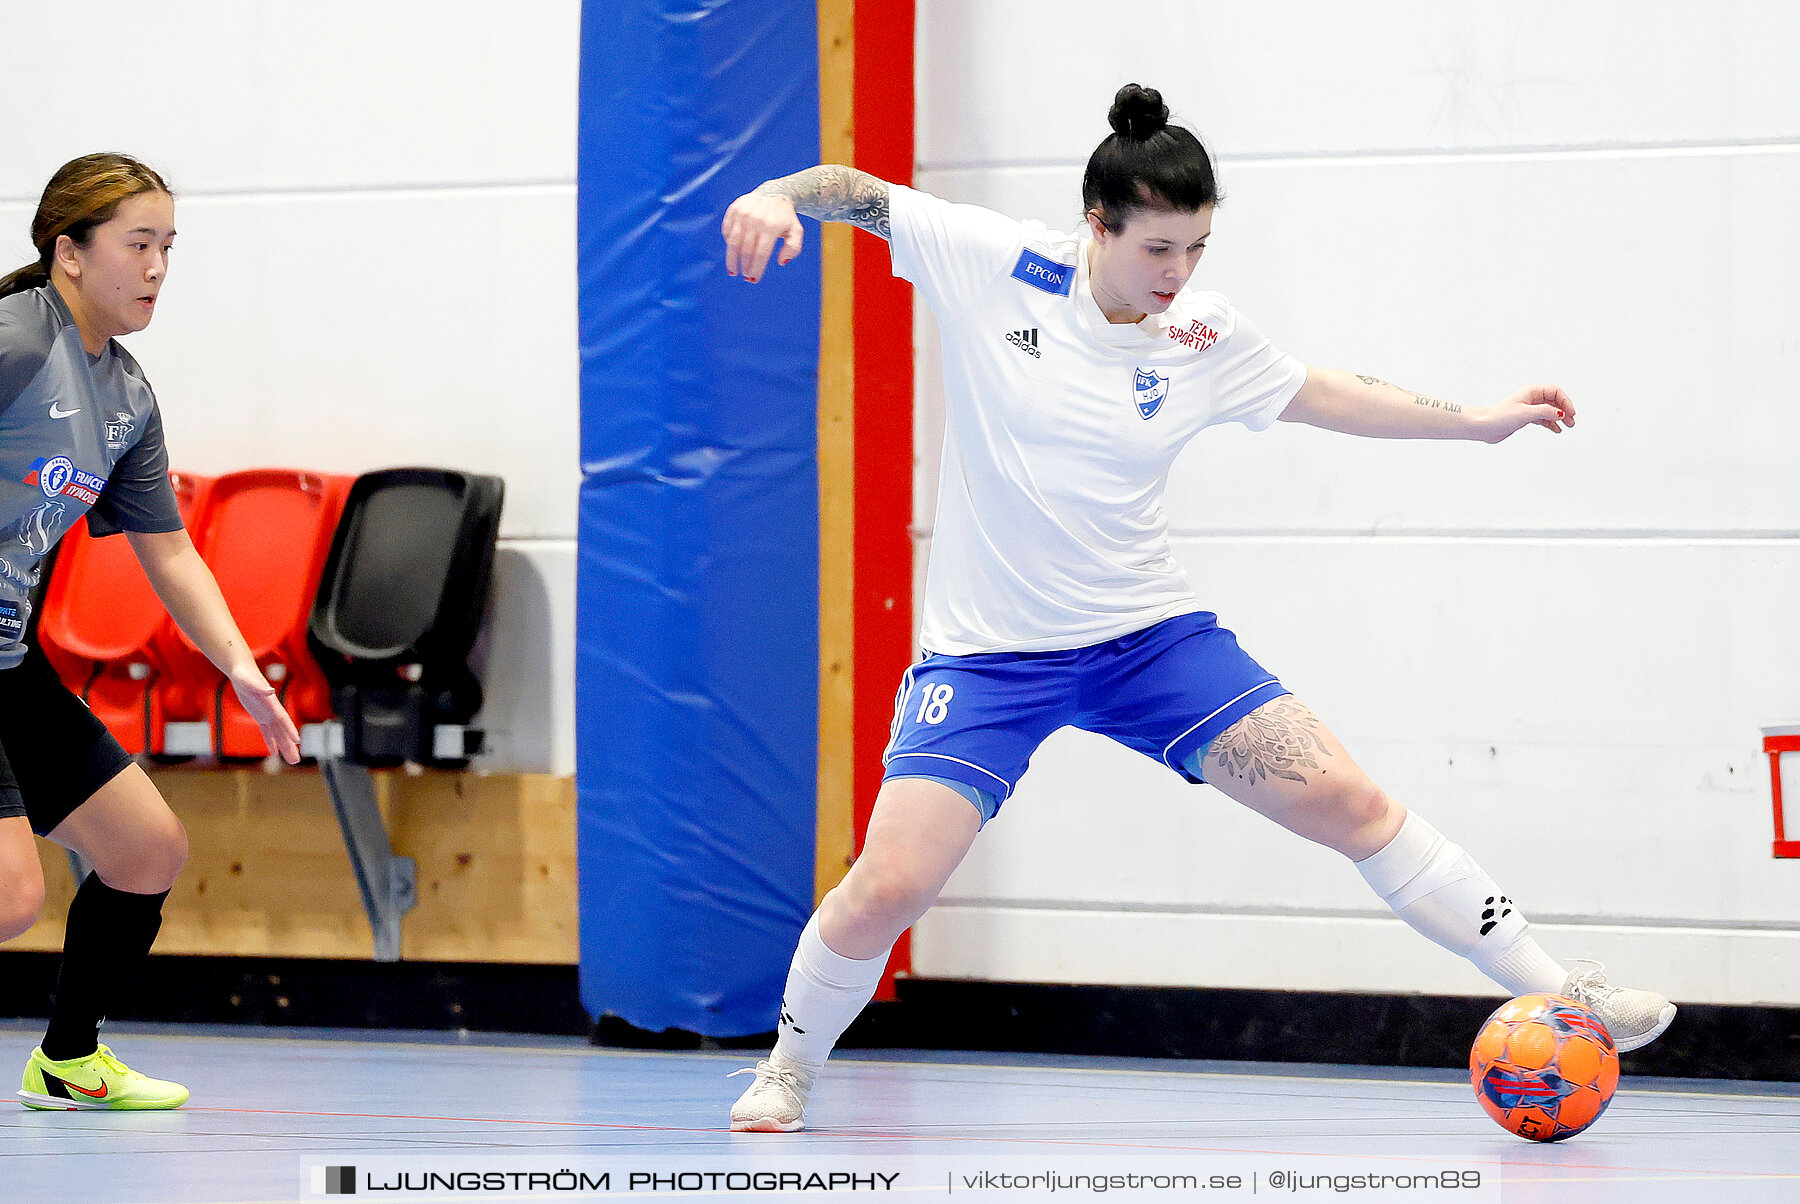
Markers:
882,113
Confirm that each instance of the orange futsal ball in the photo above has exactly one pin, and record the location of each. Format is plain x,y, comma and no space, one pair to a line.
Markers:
1544,1067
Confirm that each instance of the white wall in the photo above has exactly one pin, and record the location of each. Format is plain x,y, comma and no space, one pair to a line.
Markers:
1560,649
375,263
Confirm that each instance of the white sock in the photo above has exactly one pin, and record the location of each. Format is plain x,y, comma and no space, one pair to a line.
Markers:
824,993
1437,888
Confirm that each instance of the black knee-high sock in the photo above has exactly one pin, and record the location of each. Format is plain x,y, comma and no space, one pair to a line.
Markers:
109,934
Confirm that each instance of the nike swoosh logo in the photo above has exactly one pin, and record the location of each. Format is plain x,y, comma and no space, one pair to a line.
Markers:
56,411
100,1094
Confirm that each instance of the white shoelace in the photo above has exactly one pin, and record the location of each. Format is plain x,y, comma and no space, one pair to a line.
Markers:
766,1070
1589,985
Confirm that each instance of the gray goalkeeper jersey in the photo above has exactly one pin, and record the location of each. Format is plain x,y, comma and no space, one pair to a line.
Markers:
79,434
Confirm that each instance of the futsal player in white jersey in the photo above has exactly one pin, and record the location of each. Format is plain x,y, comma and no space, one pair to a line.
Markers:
1076,367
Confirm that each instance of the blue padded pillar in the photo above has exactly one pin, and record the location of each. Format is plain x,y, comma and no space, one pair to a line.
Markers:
697,647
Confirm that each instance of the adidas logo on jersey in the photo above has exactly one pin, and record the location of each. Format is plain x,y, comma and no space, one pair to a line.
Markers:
1026,341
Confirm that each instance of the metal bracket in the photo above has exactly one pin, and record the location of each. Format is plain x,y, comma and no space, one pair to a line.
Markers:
389,883
455,741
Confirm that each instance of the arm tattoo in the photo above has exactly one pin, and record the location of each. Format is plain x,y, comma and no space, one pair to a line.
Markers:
1274,741
1418,400
1434,403
833,193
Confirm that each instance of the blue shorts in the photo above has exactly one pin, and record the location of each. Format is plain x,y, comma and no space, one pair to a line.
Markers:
1165,691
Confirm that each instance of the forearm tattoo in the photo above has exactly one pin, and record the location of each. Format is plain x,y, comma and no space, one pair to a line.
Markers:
1434,403
834,193
1418,399
1279,740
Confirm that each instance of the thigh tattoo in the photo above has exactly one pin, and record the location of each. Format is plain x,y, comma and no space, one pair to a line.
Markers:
1278,740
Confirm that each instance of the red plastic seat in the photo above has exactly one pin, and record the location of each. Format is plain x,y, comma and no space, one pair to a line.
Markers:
177,698
265,533
100,628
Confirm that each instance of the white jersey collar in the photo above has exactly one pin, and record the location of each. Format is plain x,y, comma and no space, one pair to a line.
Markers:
1152,328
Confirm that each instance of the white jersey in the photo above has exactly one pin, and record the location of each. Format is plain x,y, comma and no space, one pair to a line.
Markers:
1059,430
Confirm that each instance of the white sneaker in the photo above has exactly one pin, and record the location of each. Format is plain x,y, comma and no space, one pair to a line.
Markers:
1632,1018
776,1101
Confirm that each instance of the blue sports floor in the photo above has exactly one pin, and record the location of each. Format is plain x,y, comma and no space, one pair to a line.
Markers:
272,1108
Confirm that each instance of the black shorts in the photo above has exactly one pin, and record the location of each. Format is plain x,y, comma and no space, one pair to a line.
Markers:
54,755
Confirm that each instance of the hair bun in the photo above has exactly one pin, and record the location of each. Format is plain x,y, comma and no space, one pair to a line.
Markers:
1138,113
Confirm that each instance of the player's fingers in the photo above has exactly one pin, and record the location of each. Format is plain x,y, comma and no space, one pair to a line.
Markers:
758,258
289,741
741,245
1548,416
791,241
282,745
1551,395
733,230
273,721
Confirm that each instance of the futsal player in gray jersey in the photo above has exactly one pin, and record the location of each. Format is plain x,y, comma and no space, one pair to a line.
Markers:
80,436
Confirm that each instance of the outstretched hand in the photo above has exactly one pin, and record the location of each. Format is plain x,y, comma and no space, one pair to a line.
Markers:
263,704
1534,405
753,225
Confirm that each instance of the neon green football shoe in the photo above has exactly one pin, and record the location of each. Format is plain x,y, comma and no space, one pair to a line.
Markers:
96,1081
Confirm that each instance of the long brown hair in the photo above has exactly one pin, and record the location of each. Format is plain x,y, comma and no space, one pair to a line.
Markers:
83,193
